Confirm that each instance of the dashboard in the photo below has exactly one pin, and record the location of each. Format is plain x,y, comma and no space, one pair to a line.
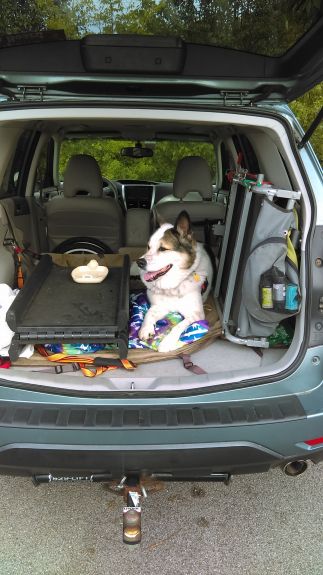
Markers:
135,193
131,193
138,195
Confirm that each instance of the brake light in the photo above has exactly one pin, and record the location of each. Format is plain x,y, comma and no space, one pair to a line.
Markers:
315,441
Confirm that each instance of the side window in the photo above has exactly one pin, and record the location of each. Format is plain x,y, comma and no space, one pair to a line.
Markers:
14,182
248,158
14,175
227,165
44,172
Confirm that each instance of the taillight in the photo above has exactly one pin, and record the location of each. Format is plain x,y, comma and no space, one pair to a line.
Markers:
315,441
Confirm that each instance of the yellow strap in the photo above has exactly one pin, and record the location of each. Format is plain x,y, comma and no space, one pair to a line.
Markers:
84,362
63,358
291,253
20,277
96,371
296,218
127,364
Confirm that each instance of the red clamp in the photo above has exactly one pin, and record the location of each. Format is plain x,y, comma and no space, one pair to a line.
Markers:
5,362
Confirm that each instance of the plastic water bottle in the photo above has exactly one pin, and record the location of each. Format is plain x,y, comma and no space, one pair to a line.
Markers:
279,289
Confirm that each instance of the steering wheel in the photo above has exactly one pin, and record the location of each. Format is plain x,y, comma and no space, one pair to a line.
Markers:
112,186
82,246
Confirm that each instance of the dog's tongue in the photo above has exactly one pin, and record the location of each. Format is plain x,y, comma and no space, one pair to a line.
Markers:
151,276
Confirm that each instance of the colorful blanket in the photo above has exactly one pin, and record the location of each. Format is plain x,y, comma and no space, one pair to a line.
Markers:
139,306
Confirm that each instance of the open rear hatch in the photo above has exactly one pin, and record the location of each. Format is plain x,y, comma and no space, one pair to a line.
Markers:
44,65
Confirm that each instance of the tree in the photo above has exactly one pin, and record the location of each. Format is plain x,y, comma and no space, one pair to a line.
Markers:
306,109
149,17
251,25
107,15
20,16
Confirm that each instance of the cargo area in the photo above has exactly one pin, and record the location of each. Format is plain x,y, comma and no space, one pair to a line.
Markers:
255,224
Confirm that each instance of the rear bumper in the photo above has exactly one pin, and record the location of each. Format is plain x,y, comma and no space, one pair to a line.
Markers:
179,438
177,461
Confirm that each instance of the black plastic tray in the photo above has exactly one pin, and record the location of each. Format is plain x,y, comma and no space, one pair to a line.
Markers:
52,308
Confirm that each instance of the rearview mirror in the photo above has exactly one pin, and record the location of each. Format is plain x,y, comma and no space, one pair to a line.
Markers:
137,151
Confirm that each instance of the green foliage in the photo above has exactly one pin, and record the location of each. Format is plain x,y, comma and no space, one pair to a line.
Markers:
159,168
20,16
72,16
107,16
35,15
250,25
306,109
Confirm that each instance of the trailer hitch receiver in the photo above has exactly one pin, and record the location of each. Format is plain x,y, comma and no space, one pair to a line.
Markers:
132,493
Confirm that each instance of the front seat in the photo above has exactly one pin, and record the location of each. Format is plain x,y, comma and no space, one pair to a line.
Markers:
82,211
192,191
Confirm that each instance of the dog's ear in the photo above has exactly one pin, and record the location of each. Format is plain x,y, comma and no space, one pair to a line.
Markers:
183,225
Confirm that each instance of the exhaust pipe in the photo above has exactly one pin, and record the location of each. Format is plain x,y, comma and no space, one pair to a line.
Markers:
294,468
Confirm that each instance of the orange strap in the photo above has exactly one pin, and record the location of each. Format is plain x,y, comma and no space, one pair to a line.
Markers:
20,277
84,362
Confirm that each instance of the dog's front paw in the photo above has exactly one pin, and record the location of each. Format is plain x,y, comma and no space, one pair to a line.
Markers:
167,344
147,331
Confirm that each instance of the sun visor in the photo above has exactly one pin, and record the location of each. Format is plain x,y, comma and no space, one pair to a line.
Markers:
131,53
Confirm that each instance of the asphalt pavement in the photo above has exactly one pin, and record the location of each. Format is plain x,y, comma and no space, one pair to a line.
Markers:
260,524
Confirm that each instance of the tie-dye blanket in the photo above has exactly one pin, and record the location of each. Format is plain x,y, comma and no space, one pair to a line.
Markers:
139,306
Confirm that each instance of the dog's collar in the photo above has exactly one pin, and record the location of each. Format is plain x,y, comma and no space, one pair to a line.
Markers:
204,285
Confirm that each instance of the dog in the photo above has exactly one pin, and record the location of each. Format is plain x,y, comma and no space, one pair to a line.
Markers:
177,272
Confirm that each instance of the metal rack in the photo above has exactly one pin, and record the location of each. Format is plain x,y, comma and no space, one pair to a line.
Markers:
251,186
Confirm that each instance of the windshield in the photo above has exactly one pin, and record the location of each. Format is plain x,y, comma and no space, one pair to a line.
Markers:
114,166
252,25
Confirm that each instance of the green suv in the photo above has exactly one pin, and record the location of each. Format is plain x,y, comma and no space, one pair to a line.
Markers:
138,105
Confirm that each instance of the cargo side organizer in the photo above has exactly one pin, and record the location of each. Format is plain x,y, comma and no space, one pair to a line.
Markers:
270,228
52,308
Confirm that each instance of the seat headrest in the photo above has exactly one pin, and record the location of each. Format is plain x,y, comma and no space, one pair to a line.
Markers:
192,175
83,174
